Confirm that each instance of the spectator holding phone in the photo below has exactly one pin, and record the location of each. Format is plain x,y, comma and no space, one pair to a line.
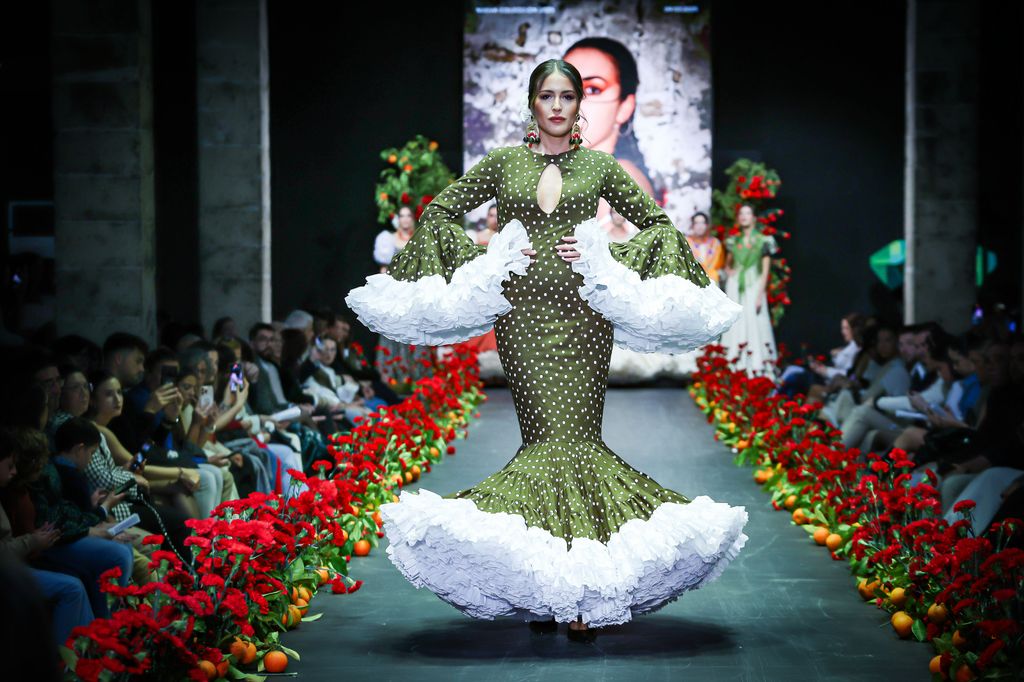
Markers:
113,462
62,497
71,606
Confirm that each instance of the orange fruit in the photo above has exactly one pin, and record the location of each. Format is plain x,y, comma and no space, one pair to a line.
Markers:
959,641
294,594
209,669
344,536
902,622
760,476
434,452
416,471
295,615
867,589
355,510
244,652
834,541
275,662
303,606
800,517
304,595
323,575
397,479
222,668
898,597
935,665
378,519
394,498
820,534
964,673
362,548
790,501
408,477
937,614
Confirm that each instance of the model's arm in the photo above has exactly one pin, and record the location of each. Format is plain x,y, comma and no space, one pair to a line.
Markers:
658,248
440,244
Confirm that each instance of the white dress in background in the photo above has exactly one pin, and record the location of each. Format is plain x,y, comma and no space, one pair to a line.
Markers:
754,328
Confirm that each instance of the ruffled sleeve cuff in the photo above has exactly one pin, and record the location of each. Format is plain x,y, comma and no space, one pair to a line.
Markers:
430,311
658,299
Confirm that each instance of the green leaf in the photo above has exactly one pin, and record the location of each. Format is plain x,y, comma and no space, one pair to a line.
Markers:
291,652
296,570
310,619
69,657
919,630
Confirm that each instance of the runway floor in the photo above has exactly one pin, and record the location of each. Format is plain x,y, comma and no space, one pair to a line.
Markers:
783,610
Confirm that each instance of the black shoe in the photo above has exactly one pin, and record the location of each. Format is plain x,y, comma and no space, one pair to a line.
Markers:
544,625
585,635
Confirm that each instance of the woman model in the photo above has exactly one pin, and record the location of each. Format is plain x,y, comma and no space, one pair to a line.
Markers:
399,360
747,268
567,531
706,247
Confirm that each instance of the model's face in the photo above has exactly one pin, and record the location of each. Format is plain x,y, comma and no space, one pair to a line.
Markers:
847,332
556,106
492,218
108,399
603,106
75,396
7,470
405,219
745,216
699,226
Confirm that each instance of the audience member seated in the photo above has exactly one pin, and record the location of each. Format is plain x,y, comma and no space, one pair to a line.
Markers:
878,370
906,410
61,497
169,480
796,379
66,593
336,393
350,361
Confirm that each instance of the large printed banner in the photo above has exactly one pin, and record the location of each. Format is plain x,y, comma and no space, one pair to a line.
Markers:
647,84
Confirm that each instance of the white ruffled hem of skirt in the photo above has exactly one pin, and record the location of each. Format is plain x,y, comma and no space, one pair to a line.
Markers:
491,565
667,314
432,312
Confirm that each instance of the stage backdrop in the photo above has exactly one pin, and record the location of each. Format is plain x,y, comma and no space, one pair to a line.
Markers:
646,71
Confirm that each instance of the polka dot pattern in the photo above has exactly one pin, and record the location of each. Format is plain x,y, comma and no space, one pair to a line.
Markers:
555,349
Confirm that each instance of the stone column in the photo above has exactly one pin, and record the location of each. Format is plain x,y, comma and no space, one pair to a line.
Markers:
234,161
941,153
103,168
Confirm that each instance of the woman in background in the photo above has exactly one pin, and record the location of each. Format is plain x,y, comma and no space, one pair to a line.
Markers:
707,248
395,360
747,268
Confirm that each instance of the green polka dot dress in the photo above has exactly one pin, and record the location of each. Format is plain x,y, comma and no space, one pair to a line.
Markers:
566,528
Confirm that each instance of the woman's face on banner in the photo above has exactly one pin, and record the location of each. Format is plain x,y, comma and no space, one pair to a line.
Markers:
601,96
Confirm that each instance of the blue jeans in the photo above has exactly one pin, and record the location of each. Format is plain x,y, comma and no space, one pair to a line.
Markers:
70,601
87,558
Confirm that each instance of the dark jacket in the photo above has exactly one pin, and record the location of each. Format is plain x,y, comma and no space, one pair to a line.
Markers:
61,495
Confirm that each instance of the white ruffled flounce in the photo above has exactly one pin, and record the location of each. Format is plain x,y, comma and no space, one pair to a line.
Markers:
667,314
491,565
433,312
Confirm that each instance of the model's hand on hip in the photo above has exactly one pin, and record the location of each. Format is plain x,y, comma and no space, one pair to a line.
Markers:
567,251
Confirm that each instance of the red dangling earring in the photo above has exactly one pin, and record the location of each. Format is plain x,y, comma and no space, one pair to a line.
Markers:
576,137
532,136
